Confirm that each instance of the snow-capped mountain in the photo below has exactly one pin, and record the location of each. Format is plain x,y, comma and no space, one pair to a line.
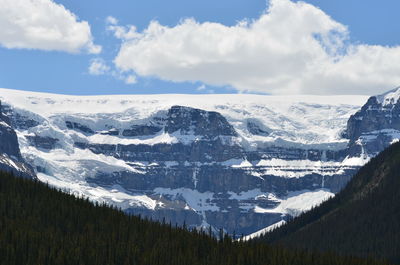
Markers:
376,125
240,162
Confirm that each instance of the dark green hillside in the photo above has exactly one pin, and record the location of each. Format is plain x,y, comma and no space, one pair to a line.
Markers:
362,220
40,226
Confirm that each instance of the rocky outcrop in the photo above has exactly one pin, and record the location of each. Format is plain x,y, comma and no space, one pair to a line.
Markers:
190,121
9,141
77,126
46,143
375,126
10,155
256,129
141,130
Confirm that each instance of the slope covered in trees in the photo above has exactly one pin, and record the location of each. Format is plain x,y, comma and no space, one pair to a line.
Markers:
40,225
362,220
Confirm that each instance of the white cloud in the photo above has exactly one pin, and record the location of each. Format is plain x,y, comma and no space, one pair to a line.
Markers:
201,88
44,25
98,67
131,79
121,32
111,20
293,48
126,77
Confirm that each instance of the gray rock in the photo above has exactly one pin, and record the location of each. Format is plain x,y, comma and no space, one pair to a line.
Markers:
256,129
77,126
46,143
10,155
141,130
370,129
190,121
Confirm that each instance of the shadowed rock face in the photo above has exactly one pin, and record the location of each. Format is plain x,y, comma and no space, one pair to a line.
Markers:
141,130
79,127
374,127
256,129
190,121
198,151
373,116
9,141
10,155
46,143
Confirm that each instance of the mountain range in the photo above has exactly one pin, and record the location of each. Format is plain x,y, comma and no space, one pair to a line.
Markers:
237,162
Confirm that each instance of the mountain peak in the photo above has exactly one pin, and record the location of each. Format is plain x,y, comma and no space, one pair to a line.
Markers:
389,98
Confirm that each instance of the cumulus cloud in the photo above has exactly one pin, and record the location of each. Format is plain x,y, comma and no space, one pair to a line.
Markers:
98,67
43,25
121,32
293,48
130,79
111,20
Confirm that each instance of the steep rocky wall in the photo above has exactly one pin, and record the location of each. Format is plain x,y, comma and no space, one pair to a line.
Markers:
10,155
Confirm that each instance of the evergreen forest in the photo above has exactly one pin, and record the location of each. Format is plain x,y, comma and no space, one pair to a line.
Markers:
40,225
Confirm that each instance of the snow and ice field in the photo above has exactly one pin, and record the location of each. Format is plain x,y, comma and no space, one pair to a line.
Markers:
304,122
300,119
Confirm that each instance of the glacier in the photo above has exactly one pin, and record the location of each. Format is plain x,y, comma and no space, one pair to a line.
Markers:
238,162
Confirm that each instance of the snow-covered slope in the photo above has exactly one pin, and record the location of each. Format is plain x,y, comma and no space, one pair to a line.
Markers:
389,98
263,231
232,161
316,120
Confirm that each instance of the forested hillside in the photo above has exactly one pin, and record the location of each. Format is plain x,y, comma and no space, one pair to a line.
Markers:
362,220
40,225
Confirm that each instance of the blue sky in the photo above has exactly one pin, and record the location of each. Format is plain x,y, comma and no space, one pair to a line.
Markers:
364,27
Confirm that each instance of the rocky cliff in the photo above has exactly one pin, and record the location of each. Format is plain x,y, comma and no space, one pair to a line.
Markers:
375,126
10,155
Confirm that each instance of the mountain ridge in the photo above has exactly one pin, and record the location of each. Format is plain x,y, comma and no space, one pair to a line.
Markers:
241,162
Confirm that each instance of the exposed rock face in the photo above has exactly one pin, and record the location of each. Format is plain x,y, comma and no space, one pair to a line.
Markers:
256,129
190,121
232,166
199,151
79,127
141,130
10,156
46,143
9,141
376,125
